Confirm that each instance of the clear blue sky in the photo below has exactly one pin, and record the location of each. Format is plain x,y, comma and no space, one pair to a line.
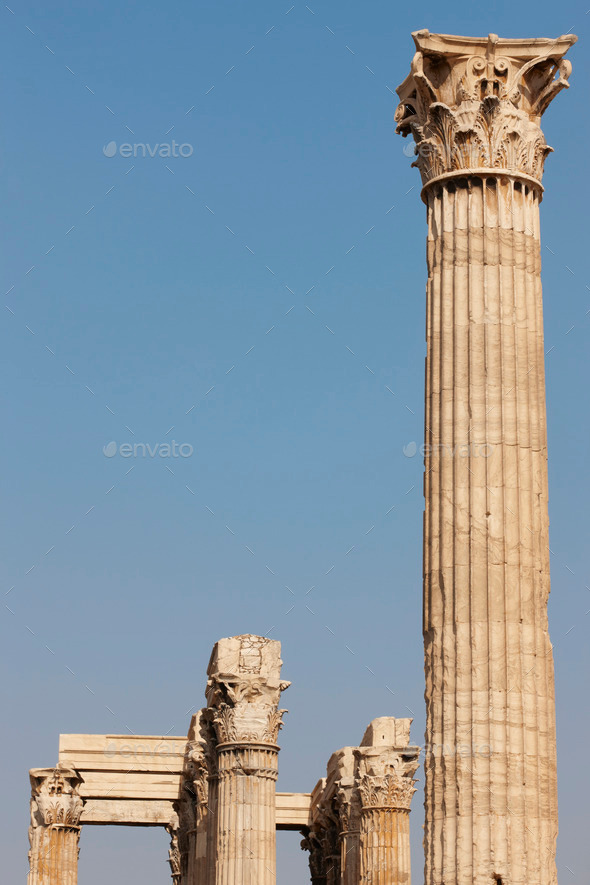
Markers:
150,293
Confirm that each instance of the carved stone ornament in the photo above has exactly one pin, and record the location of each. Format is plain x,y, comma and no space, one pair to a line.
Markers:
199,758
313,843
475,104
244,690
387,791
175,856
385,775
55,800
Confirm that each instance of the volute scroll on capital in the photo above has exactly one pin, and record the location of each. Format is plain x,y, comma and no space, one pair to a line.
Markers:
55,800
476,104
387,791
386,776
244,690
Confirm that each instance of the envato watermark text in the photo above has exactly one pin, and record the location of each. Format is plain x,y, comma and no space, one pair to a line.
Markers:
460,450
463,750
140,752
145,450
141,149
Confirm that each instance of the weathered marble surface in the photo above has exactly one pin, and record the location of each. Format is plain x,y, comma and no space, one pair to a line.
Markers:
474,108
359,822
214,791
243,695
54,832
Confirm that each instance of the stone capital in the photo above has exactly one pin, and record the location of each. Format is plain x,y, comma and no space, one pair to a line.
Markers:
340,800
354,808
386,764
199,758
385,778
175,856
55,800
475,105
386,791
244,690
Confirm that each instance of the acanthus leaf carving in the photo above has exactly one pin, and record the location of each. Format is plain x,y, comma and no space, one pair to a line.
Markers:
386,791
478,135
274,725
475,104
175,856
55,799
244,690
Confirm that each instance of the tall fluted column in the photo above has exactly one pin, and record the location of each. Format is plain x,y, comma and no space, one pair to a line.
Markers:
54,832
474,109
243,694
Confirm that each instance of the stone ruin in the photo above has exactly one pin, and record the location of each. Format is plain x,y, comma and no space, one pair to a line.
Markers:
215,790
473,107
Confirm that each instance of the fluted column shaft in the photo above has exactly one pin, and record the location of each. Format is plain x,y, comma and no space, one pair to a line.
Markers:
384,847
53,857
474,106
246,815
360,832
350,856
198,856
491,757
208,864
54,832
243,693
196,805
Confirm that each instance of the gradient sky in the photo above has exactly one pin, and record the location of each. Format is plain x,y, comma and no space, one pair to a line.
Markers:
261,300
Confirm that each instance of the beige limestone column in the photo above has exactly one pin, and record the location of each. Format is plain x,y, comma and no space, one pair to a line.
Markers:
385,770
348,807
243,694
332,839
194,808
385,831
175,854
54,832
359,829
474,107
211,824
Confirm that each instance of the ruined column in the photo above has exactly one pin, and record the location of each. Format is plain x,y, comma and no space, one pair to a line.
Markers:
359,832
324,844
193,807
54,832
385,775
175,855
332,849
347,804
474,108
243,694
313,843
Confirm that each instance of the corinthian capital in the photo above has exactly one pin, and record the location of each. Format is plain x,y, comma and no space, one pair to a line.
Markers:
55,800
244,689
199,759
475,104
386,791
386,764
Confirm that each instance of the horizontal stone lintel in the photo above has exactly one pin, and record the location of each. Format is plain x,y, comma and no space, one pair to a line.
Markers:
292,811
